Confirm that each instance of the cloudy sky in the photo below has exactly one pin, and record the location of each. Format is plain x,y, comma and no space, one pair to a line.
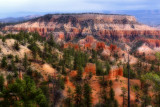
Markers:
20,7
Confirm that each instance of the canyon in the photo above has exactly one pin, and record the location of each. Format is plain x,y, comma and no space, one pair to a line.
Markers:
121,30
79,48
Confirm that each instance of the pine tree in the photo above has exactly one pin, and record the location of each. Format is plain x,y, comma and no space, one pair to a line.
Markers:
79,74
13,65
25,62
115,103
152,67
4,63
3,40
124,92
26,92
16,59
1,83
78,96
76,62
110,83
16,46
103,96
99,69
51,41
87,95
9,79
107,68
69,98
35,52
158,58
67,58
94,56
112,94
63,70
35,49
45,50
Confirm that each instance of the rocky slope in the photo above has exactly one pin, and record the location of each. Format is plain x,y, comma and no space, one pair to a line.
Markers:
100,38
108,28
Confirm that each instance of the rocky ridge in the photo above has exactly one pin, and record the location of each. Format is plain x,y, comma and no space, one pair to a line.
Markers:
107,28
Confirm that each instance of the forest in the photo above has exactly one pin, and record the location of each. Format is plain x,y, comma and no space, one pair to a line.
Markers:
82,78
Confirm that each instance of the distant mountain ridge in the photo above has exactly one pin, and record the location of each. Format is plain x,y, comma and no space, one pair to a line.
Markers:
18,19
158,26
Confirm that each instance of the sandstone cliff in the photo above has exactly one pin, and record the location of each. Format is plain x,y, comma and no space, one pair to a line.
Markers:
82,23
67,27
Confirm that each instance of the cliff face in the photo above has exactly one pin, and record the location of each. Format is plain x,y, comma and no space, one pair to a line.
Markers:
67,27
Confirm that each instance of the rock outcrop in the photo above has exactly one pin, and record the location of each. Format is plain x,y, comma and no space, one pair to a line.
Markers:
90,68
114,72
105,27
95,24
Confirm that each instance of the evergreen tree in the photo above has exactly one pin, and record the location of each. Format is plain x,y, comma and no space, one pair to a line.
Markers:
4,63
3,40
16,46
45,50
78,96
107,68
25,61
63,70
151,79
35,49
80,60
24,92
69,98
79,74
152,67
112,94
9,79
51,41
67,58
99,69
61,82
137,92
103,96
124,92
87,95
110,83
35,52
94,56
1,83
158,58
115,103
15,74
146,100
13,65
76,59
29,71
16,59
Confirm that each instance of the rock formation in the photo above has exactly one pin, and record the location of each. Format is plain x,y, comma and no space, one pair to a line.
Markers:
114,72
90,68
104,27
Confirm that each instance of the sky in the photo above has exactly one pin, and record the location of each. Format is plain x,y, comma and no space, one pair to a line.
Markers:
15,8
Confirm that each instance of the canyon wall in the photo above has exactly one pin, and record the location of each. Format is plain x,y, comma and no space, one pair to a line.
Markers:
68,27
